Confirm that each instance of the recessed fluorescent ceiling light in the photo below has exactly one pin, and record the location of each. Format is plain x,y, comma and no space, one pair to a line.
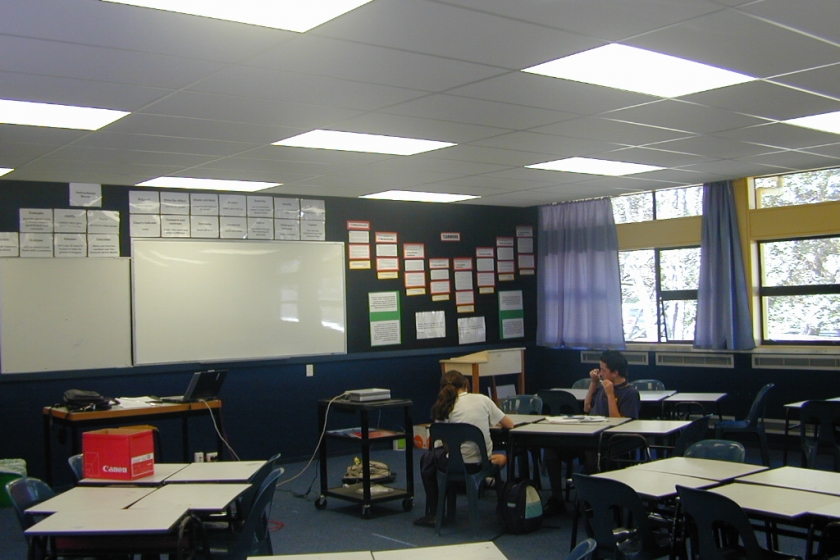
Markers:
56,116
633,69
357,142
4,170
291,15
206,184
594,166
827,122
419,196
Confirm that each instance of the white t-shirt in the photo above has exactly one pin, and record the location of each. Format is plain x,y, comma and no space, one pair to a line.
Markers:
480,411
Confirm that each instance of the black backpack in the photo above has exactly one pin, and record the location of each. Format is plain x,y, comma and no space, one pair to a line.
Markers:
523,510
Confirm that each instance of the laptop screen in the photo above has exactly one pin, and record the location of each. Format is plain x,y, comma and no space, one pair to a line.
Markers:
205,385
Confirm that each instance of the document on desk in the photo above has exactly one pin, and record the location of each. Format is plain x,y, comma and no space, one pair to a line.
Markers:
578,419
137,402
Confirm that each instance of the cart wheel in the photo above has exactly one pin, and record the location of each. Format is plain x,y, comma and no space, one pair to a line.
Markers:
408,503
366,512
321,502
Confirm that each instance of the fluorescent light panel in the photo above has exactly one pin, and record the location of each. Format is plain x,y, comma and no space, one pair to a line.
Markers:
633,69
357,142
56,116
4,170
415,196
592,166
207,184
827,122
300,16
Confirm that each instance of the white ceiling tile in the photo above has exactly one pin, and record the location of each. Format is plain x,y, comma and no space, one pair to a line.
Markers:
766,100
820,19
779,135
594,128
680,115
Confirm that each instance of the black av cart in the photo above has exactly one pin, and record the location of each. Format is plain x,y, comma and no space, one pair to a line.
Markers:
363,435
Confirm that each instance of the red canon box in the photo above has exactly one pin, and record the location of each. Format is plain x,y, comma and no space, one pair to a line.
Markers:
118,453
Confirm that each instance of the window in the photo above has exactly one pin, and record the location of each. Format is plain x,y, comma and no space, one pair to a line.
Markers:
809,187
658,205
659,294
800,290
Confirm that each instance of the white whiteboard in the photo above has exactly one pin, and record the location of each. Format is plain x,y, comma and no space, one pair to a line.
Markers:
64,314
202,300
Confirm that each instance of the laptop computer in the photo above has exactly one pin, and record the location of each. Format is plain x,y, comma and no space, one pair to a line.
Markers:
204,386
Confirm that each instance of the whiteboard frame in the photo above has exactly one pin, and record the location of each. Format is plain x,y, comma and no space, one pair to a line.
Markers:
222,300
64,314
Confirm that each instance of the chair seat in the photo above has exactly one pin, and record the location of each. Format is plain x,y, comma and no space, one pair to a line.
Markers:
736,424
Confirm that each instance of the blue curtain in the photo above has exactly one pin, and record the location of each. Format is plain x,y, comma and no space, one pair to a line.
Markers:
578,286
723,312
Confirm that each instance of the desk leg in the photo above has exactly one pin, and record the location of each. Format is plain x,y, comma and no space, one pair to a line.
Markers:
365,464
575,516
409,458
48,448
787,429
321,503
185,438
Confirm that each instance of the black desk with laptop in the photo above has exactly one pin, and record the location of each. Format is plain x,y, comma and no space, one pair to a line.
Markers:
199,399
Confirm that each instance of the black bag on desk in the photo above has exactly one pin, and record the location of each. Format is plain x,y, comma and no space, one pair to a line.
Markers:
77,400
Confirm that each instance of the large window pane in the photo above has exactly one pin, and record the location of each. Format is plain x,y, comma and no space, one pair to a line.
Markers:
803,318
679,317
638,295
633,207
679,203
680,269
801,262
798,188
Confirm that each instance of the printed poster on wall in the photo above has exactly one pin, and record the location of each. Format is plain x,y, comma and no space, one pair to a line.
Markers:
384,313
430,324
471,330
511,315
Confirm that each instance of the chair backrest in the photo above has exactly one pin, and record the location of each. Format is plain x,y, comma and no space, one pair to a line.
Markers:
618,516
717,449
25,493
648,385
582,383
830,542
522,404
454,436
583,551
819,427
759,406
710,512
247,499
254,536
77,465
557,402
696,431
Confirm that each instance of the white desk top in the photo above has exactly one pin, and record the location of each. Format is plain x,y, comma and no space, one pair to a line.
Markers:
830,510
650,427
467,551
520,419
656,485
91,498
770,500
695,397
655,396
195,497
162,472
103,522
700,468
569,429
822,482
223,471
800,403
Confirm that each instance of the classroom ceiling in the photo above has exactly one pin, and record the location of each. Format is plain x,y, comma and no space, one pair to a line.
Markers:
208,98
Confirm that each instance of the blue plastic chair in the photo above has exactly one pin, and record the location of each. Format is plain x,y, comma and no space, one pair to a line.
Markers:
77,465
752,424
582,383
718,450
522,404
819,428
698,430
584,550
648,385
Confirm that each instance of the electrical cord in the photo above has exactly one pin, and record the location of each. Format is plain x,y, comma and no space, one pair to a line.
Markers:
219,433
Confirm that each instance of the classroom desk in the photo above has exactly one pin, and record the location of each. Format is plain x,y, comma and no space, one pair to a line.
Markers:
221,471
76,421
108,522
666,429
790,407
200,498
795,478
162,472
719,471
91,498
467,551
702,398
655,486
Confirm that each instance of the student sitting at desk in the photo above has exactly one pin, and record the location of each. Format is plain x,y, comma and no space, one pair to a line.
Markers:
455,403
610,394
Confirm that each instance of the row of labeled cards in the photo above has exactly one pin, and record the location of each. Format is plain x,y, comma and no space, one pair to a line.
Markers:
60,220
226,227
77,245
236,205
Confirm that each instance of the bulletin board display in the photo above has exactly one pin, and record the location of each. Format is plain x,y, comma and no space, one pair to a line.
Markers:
64,314
215,300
